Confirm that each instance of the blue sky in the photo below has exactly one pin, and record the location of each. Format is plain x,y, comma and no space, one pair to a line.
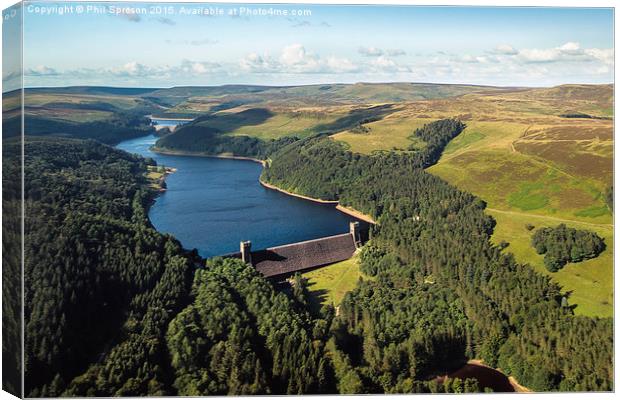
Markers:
162,47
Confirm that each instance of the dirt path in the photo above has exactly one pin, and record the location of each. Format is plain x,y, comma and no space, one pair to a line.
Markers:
524,214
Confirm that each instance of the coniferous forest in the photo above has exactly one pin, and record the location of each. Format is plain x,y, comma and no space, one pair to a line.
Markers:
510,316
115,308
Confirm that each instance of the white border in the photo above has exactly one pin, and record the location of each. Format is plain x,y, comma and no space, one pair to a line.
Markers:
504,3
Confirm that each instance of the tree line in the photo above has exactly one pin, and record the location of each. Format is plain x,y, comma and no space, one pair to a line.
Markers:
211,141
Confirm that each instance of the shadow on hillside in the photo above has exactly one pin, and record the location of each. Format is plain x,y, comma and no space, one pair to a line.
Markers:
355,118
233,121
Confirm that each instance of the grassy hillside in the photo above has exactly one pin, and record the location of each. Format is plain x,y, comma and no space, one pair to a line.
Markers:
524,156
105,114
329,94
590,282
533,166
391,133
328,285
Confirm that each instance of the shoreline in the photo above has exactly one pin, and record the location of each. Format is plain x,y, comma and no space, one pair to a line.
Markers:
195,154
354,213
161,182
343,209
301,196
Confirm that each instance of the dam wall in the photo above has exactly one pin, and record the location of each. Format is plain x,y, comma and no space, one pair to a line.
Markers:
280,262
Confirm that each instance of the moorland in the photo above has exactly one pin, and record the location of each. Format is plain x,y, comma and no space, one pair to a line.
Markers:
458,177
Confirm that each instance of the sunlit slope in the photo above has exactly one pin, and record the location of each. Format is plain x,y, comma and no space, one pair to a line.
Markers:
590,282
535,167
390,133
276,121
79,104
526,154
273,112
328,285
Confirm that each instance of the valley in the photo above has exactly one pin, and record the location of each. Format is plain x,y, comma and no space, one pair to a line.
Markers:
456,177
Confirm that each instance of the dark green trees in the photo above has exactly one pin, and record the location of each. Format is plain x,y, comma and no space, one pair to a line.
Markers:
431,251
562,245
240,336
436,135
201,139
101,284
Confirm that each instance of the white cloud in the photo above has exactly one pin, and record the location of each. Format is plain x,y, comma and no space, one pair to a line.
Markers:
505,49
295,54
295,59
132,68
42,70
386,64
466,59
370,51
568,52
254,62
294,63
395,52
469,59
197,68
568,62
377,52
341,65
606,56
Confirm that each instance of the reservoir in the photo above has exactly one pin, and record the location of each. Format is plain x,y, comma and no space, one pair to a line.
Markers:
212,204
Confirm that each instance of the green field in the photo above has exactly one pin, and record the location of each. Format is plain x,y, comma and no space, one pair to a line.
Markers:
391,133
590,281
270,124
533,167
328,285
520,183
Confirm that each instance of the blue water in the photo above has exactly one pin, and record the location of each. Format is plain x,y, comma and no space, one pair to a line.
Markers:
212,204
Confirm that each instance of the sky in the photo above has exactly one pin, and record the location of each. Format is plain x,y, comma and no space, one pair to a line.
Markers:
173,44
